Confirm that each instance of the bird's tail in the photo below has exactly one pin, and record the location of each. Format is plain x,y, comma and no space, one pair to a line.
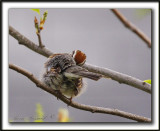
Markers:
90,75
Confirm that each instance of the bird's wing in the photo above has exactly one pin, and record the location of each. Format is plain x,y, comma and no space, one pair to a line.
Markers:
79,71
53,71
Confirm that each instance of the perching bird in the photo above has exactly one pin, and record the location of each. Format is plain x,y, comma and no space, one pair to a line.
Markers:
63,72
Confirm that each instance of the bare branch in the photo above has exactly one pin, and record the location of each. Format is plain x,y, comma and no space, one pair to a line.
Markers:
92,109
133,28
38,30
26,42
122,78
40,41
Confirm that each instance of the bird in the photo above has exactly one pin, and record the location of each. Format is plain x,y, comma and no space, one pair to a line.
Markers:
64,73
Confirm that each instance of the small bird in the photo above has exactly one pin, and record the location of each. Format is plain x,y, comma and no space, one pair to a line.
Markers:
64,73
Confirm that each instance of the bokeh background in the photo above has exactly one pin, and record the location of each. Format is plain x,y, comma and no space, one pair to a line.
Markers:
106,42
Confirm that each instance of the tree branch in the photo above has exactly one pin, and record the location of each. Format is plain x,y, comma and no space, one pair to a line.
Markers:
40,40
38,32
26,42
133,28
121,78
92,109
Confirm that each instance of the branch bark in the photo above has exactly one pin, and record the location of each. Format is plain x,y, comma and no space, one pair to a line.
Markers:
133,28
29,44
40,40
92,109
38,32
121,78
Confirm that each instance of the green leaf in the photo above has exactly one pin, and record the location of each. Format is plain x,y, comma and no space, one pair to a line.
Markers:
147,81
63,115
11,120
140,13
39,113
45,15
36,10
43,19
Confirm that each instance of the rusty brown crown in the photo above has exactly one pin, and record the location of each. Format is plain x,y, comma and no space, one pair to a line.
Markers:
79,57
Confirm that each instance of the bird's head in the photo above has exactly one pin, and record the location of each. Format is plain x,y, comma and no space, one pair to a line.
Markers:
79,57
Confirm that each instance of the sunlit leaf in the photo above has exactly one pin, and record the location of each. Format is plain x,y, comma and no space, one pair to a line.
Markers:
39,117
45,15
11,120
36,24
42,20
140,13
147,81
36,10
63,115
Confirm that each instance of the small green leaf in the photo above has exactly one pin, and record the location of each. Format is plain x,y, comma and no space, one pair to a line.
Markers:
36,10
43,19
147,81
39,117
11,120
140,13
63,115
36,25
45,15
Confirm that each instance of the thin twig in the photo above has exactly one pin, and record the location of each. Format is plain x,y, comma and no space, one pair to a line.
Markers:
26,42
122,78
40,40
92,109
38,30
133,28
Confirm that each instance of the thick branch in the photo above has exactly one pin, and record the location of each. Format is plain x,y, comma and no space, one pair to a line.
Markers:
92,109
133,28
122,78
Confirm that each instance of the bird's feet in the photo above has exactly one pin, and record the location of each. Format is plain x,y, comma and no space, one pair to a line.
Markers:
58,92
70,101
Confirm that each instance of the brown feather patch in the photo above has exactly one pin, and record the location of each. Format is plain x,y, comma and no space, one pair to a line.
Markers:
79,57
